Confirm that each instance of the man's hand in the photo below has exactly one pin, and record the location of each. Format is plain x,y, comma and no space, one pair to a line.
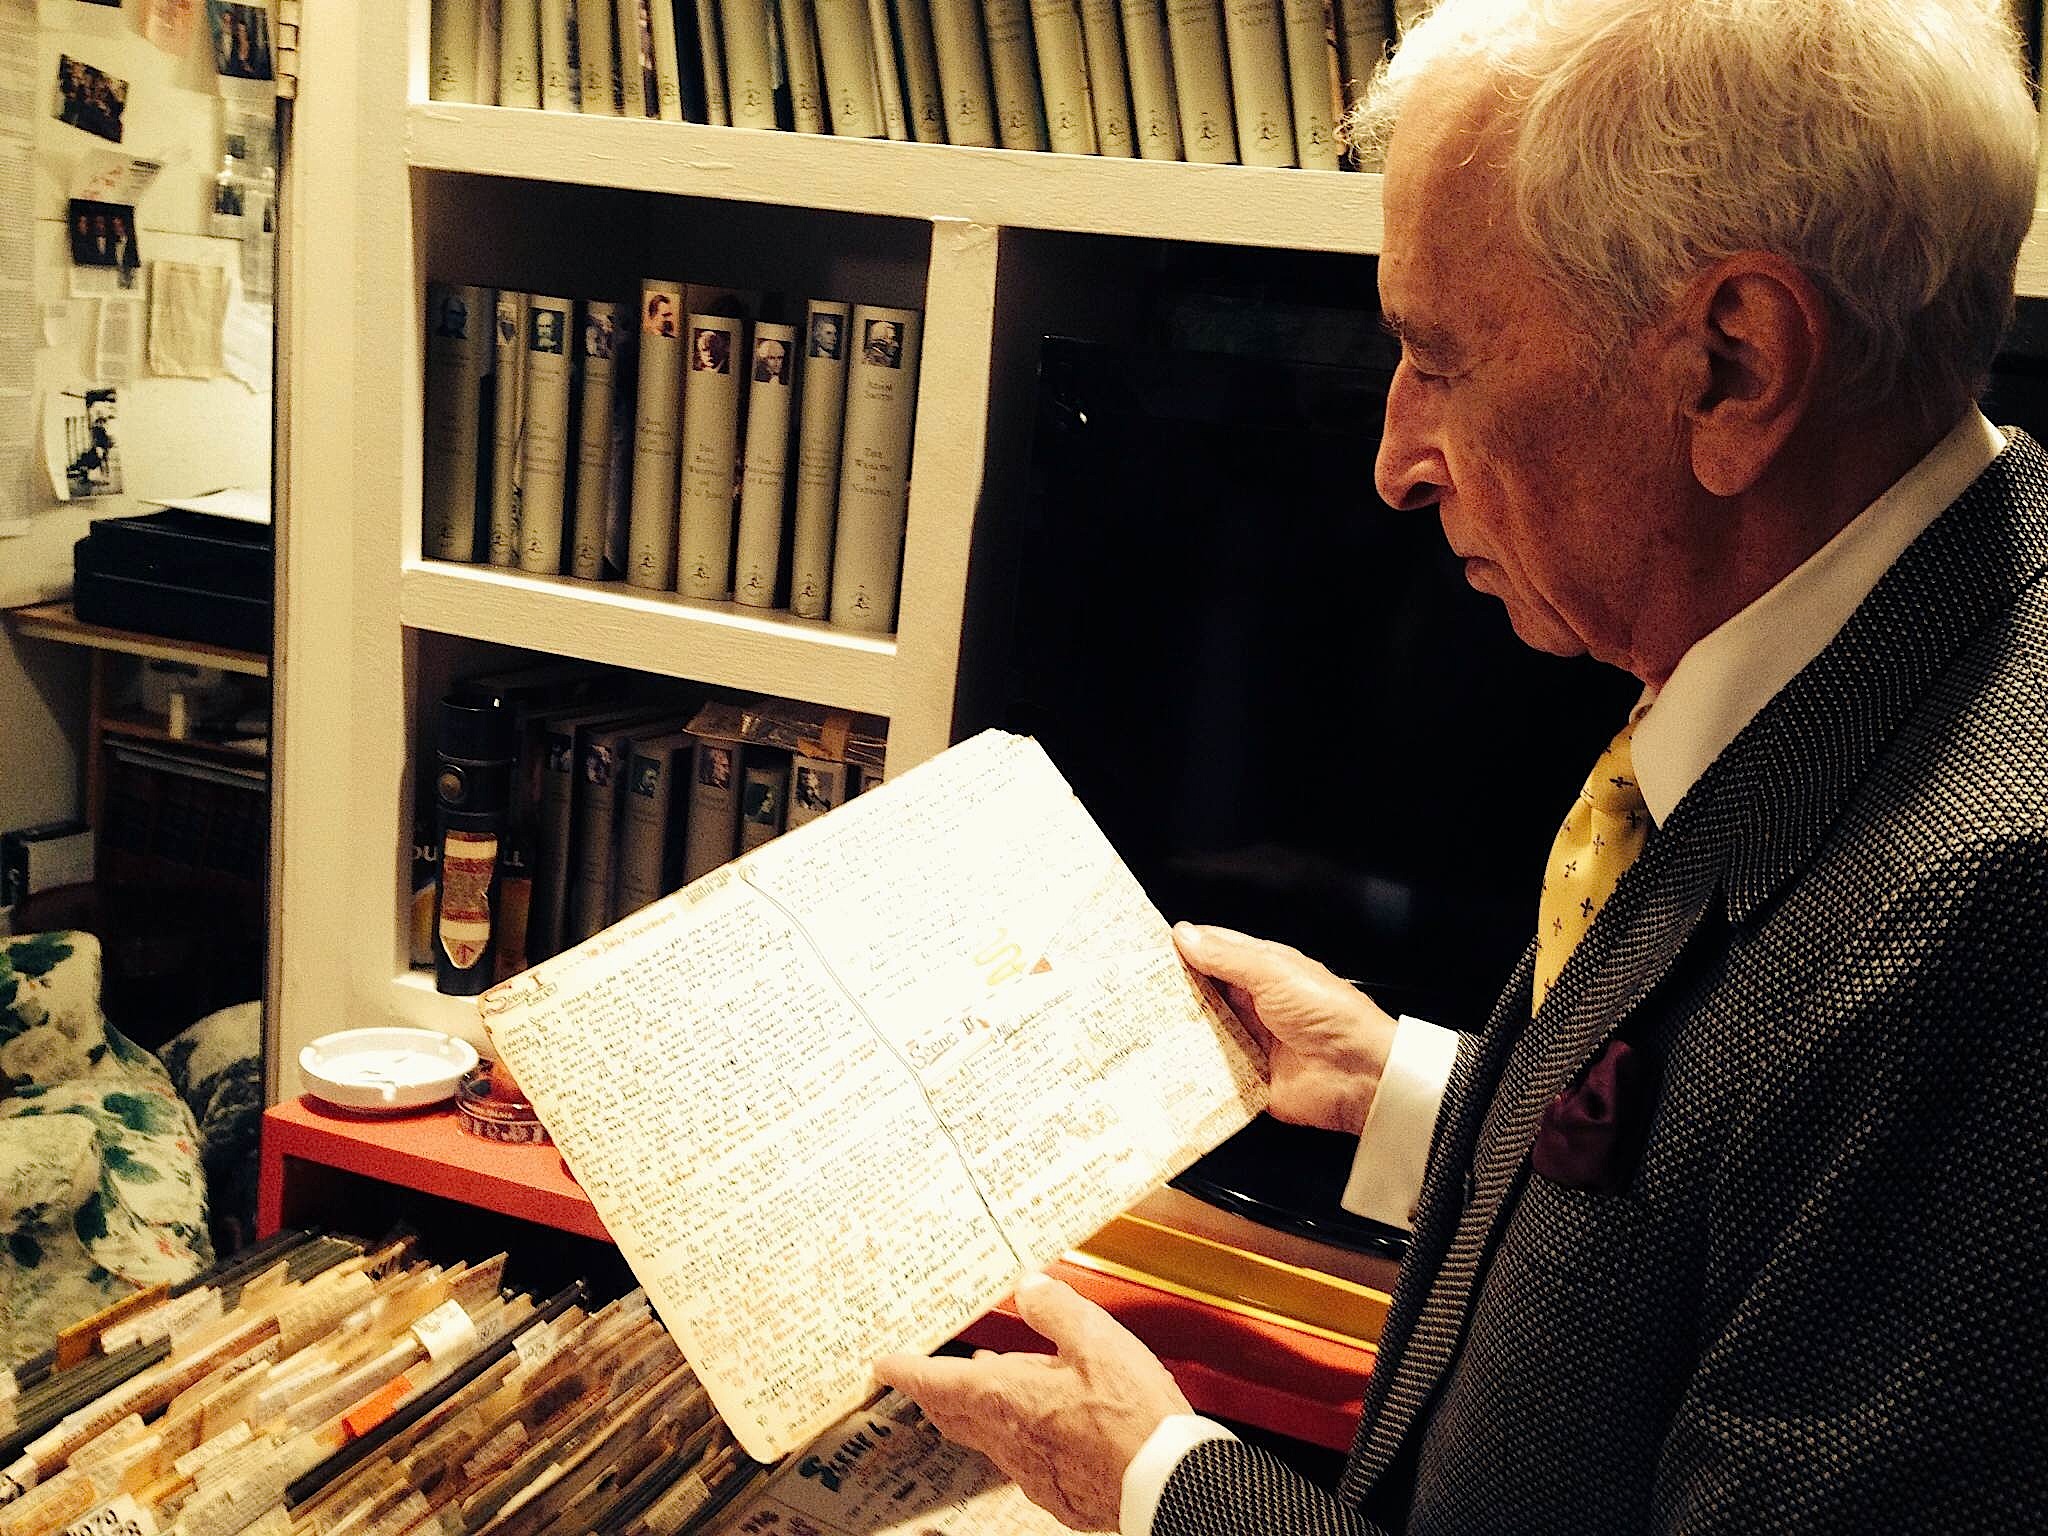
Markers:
1326,1041
1064,1427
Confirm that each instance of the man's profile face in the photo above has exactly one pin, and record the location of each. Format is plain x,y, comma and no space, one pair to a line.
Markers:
1556,485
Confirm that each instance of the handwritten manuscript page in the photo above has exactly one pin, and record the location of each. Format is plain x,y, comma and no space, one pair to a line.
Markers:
837,1097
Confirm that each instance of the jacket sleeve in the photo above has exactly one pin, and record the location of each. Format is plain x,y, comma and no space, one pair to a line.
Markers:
1876,1315
1228,1488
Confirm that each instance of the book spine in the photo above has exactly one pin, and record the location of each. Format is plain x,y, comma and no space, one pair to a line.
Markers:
1201,80
874,467
519,54
816,785
749,63
645,825
508,425
800,57
1258,81
1102,36
1361,43
1013,71
668,71
657,415
451,52
711,54
597,834
963,73
846,52
1308,84
711,420
636,58
1154,109
923,100
764,793
484,57
544,452
456,357
598,351
882,48
1334,77
599,93
764,472
1063,73
557,68
821,416
546,910
713,832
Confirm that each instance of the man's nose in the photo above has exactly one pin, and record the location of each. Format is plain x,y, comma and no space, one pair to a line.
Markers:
1409,470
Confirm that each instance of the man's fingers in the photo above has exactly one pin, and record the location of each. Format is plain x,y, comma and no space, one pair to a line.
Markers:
1062,1314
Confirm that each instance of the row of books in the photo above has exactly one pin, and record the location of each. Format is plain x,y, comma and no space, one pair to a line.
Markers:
1262,82
701,450
624,789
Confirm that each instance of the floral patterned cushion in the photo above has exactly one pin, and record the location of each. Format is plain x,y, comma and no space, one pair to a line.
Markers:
217,1067
101,1192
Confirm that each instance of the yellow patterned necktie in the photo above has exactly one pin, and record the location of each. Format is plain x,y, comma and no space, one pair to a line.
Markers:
1600,838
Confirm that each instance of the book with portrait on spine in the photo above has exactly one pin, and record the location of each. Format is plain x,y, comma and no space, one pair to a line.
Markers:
604,758
653,801
764,467
657,438
458,358
820,422
711,834
508,424
764,788
600,339
715,353
544,447
874,467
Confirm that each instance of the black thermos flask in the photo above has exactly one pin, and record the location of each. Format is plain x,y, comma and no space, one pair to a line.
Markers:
472,797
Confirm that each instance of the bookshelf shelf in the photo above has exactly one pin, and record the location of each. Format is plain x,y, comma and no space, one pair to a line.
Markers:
60,622
1156,199
1254,1370
608,622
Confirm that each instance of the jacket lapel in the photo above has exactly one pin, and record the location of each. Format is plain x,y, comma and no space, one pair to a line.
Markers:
1757,816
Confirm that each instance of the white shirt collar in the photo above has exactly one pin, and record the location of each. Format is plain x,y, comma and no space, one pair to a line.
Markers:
1733,671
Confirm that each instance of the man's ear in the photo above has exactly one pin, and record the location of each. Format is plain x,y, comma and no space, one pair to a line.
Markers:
1752,331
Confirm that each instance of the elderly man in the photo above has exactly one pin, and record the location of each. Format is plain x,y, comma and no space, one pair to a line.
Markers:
1733,1216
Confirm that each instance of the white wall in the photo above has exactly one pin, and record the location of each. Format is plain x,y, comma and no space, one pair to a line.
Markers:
177,436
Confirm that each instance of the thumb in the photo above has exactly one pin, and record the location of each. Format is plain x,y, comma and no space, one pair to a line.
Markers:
1060,1313
1232,957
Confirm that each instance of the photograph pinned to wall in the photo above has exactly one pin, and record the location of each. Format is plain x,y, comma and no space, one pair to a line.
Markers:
248,140
90,98
78,442
241,40
103,238
170,24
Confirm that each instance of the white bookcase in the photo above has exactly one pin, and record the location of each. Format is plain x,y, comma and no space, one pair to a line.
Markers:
387,190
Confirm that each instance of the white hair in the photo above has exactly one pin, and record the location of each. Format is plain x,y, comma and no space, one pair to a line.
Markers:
1885,146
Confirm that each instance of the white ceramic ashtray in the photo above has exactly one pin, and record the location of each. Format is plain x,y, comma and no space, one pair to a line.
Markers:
385,1069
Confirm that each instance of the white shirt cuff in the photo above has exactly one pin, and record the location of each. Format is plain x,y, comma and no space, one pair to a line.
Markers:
1145,1478
1393,1148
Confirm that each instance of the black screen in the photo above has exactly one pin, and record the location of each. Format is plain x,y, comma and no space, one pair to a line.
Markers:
1281,701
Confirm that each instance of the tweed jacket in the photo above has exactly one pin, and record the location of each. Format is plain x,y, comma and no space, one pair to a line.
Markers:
1815,1302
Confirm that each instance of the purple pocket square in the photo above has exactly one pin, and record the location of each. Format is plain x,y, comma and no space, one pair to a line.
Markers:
1592,1131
